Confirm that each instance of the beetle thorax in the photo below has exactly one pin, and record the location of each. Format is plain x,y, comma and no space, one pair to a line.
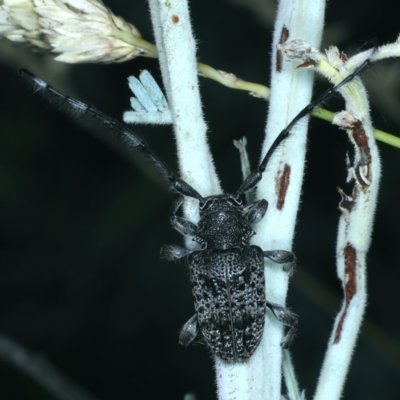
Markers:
222,224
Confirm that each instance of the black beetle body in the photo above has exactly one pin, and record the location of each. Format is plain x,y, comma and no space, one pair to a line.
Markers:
227,276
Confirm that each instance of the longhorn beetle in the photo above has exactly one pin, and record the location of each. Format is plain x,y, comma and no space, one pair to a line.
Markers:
227,273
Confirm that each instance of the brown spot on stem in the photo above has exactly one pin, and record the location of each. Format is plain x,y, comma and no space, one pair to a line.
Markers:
307,63
279,57
362,170
347,202
283,184
175,19
350,284
361,140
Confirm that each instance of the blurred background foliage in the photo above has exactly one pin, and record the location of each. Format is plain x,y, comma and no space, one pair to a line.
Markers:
82,219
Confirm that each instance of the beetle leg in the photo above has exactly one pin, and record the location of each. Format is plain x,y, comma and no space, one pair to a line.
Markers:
282,257
255,211
182,225
287,318
173,252
189,331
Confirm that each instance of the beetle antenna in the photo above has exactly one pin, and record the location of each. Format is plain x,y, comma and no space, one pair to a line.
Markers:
120,129
251,181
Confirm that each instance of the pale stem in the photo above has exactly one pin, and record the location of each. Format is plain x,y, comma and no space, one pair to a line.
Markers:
293,391
358,208
260,377
354,236
291,90
177,56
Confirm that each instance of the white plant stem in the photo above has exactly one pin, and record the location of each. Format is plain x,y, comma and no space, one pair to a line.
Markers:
293,391
390,50
354,235
358,209
291,90
177,56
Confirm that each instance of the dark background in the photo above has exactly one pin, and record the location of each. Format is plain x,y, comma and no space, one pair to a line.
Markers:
82,220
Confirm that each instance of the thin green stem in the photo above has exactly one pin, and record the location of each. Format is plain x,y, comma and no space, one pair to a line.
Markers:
379,135
232,81
387,138
128,37
255,89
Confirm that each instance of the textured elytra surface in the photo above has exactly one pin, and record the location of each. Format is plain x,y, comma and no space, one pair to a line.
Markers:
229,291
